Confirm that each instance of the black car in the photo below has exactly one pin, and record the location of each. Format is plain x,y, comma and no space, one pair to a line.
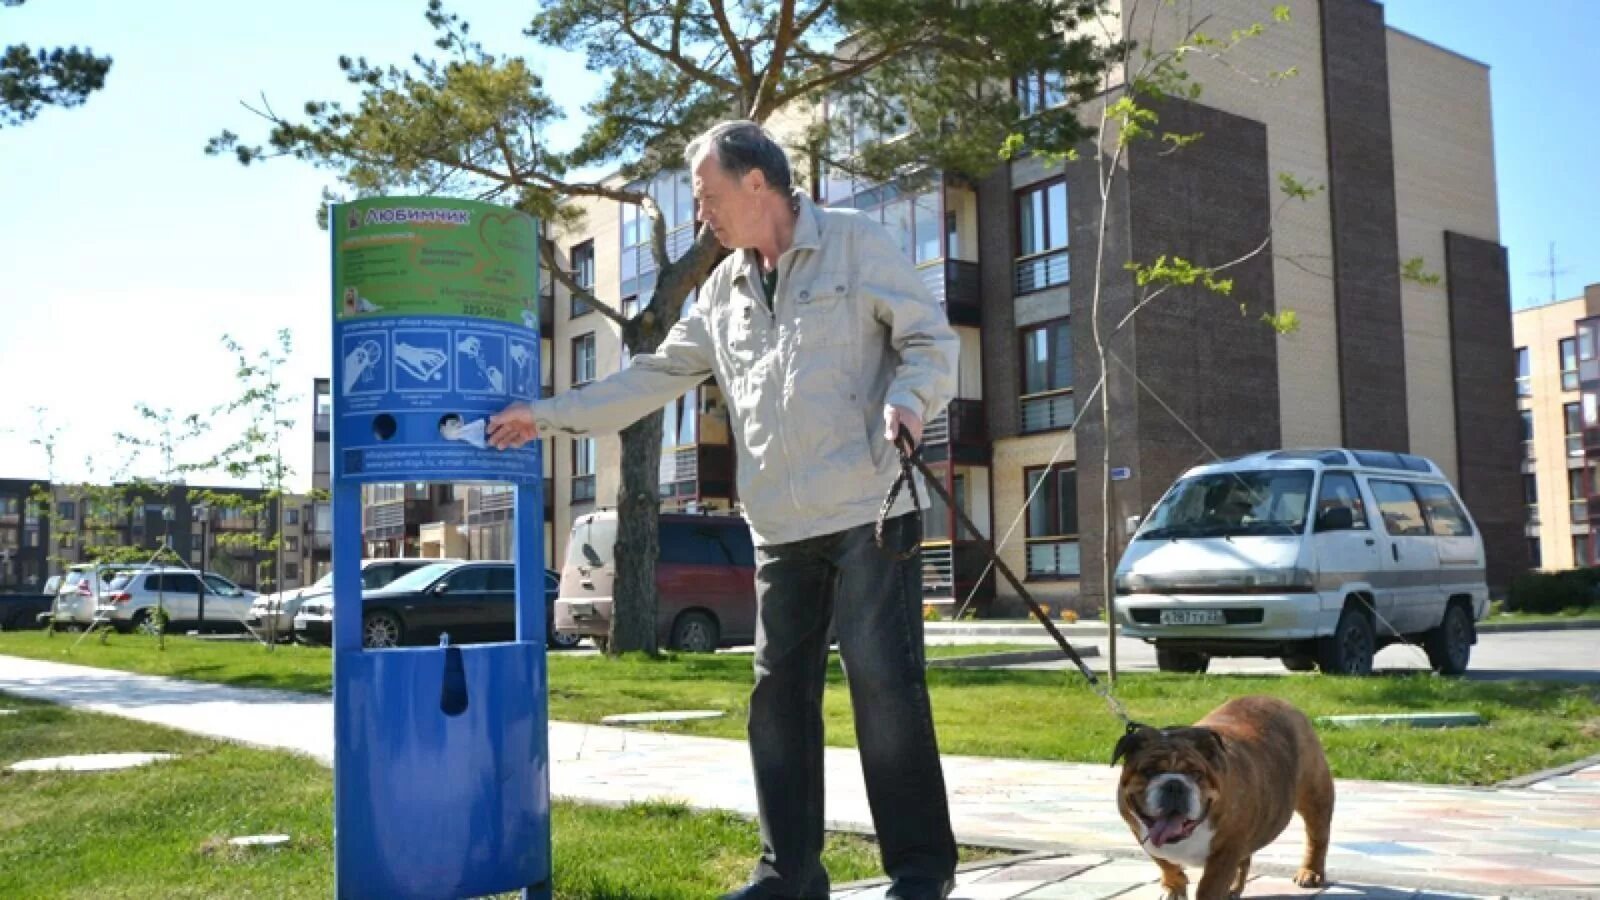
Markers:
473,602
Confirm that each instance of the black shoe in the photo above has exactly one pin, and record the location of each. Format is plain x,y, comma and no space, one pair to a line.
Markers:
920,889
757,892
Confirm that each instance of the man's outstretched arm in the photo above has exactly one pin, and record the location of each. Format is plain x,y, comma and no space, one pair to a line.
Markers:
611,404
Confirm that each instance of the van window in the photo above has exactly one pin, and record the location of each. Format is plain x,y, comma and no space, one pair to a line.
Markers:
705,544
1231,504
1402,514
1445,516
1339,491
597,534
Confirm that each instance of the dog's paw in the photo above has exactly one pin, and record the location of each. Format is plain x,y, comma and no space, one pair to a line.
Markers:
1309,878
1176,894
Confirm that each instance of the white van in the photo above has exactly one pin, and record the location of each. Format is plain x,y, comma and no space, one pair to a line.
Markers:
1318,557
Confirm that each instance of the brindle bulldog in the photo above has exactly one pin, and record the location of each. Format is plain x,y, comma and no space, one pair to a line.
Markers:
1211,795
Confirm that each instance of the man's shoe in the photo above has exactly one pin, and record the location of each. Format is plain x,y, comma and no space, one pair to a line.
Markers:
920,889
756,892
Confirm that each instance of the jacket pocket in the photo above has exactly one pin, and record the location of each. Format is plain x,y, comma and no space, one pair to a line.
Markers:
823,311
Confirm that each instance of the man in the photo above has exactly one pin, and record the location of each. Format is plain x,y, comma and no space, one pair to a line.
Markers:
826,343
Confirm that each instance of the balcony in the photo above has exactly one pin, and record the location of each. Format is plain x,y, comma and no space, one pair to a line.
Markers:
951,569
697,472
1048,411
960,432
1049,269
954,283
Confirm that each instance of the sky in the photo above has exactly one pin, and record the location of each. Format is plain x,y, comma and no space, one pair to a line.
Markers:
126,253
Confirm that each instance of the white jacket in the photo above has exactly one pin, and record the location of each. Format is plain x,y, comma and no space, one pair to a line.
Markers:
853,328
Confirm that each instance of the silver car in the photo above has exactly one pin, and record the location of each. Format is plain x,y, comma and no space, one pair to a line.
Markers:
287,606
82,589
203,601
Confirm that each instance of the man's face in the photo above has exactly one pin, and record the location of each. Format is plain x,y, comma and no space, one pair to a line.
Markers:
729,205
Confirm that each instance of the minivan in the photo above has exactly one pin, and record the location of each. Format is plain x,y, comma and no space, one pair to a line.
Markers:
705,581
1318,557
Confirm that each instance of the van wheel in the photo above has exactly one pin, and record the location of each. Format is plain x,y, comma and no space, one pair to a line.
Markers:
1300,662
695,632
1351,648
1450,645
1190,662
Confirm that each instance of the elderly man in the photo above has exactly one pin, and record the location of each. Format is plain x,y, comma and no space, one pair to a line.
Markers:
827,344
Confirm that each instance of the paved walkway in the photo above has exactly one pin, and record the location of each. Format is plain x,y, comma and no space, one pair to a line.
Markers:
1535,841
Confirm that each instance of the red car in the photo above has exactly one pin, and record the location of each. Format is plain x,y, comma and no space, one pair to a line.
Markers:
705,578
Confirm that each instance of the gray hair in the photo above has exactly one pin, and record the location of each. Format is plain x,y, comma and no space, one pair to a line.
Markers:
741,146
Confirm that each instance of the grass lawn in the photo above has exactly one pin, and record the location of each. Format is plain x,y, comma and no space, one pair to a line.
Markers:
1582,613
1023,714
162,830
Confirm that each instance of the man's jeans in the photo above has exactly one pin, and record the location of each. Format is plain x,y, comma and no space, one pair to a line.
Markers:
876,604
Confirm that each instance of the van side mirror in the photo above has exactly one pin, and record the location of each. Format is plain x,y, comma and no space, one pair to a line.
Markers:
591,556
1339,518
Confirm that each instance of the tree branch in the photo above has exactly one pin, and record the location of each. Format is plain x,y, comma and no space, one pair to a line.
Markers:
775,64
855,68
741,60
674,55
547,251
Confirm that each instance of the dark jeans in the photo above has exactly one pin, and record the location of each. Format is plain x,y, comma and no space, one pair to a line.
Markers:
875,603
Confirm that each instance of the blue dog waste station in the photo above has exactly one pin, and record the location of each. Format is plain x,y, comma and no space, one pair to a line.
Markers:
441,753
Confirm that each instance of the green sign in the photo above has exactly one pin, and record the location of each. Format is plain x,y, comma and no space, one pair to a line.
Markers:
427,256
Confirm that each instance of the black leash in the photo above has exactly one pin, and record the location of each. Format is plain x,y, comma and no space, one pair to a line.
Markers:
911,460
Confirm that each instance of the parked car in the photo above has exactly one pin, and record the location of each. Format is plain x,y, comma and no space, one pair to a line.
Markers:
471,601
22,611
705,581
284,606
203,601
82,589
1318,557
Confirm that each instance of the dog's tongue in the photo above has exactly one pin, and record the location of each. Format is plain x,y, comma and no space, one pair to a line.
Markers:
1165,830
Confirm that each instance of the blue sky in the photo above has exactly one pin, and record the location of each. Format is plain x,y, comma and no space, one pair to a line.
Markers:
126,253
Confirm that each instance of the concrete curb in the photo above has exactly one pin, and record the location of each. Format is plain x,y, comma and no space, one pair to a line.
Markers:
1533,778
1001,629
1017,658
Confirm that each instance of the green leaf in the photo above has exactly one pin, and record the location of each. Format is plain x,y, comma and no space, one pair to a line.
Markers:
1280,13
1414,271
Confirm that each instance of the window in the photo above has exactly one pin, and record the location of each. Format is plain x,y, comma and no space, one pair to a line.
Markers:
1339,491
1527,434
1580,551
1524,374
705,545
468,581
174,583
1446,518
1534,558
1573,413
1569,363
1042,259
583,274
1047,399
10,506
1578,495
291,571
292,517
503,580
674,195
583,360
1530,497
631,306
222,587
1039,91
67,509
1052,522
291,544
582,470
678,427
1402,514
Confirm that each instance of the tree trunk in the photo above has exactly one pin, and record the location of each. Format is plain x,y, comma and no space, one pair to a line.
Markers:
633,611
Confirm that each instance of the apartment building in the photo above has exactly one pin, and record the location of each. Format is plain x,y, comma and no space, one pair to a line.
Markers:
24,535
1397,133
1558,378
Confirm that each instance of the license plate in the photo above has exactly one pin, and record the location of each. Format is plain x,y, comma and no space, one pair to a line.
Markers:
1192,617
581,610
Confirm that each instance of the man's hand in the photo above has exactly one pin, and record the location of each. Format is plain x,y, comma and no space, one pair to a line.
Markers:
895,417
512,427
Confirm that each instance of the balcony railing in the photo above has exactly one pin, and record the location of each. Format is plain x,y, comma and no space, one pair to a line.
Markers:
955,284
1051,268
1053,558
951,571
961,431
1049,411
